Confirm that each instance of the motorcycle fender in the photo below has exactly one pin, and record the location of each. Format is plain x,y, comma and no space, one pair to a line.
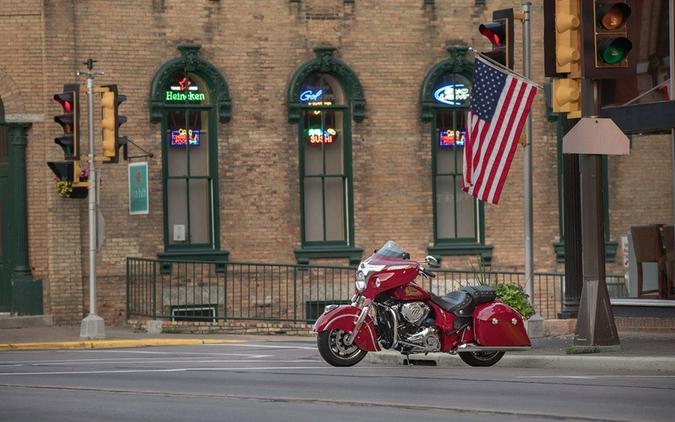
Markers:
497,324
344,318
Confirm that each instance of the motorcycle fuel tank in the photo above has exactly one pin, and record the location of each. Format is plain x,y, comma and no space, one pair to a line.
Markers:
497,324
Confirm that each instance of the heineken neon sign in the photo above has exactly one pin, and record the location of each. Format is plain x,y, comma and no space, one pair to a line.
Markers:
184,91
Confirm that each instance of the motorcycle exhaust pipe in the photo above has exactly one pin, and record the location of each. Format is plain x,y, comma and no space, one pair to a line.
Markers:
473,347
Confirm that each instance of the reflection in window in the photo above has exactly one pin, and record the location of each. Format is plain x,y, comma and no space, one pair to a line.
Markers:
323,172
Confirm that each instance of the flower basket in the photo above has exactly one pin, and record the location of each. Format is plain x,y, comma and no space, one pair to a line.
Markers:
65,188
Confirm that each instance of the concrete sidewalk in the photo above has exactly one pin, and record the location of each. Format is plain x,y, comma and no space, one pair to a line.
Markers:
637,351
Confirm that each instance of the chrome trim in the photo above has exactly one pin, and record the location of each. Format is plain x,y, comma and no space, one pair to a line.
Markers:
472,347
329,308
358,324
393,314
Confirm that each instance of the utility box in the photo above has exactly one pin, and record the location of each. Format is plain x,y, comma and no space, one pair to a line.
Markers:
26,296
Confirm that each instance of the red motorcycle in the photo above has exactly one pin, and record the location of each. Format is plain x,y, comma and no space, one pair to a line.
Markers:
390,311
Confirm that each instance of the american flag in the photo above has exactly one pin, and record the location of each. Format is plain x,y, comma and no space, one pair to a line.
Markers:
500,103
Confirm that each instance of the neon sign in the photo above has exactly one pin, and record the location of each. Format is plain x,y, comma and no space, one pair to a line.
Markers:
451,138
453,94
318,136
189,137
314,98
310,95
184,91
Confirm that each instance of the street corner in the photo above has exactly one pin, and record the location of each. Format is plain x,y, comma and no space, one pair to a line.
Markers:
112,344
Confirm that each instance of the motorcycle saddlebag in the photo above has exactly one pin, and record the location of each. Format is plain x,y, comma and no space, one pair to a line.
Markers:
497,324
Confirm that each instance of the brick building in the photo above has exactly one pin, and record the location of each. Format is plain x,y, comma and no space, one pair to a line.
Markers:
247,186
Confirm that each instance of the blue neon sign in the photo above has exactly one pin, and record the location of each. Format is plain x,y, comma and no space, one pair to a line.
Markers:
310,95
452,94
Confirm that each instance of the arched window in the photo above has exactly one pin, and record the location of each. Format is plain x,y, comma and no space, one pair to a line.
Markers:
324,96
458,217
188,98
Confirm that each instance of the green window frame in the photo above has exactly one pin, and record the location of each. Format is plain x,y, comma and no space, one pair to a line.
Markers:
188,98
324,95
458,219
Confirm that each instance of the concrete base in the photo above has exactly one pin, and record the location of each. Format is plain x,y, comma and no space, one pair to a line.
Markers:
32,321
92,327
154,326
535,326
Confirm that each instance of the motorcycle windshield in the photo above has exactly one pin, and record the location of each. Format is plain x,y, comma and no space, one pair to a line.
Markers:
392,250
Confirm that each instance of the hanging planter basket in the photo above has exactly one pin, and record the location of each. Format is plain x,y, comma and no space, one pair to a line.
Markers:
66,190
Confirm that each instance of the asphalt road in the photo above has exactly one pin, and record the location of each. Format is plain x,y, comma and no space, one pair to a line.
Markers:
283,381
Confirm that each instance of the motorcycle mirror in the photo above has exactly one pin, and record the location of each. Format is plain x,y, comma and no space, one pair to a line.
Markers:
432,262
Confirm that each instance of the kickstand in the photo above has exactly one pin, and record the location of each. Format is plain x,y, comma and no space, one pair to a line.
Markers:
406,360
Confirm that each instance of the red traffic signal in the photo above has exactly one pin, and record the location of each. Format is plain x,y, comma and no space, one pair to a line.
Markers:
69,141
500,34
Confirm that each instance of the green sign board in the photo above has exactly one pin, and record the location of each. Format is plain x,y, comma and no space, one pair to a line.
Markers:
138,188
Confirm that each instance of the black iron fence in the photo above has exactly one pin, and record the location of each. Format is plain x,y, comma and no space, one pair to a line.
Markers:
208,291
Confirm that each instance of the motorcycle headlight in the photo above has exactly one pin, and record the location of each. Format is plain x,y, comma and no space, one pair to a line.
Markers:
360,281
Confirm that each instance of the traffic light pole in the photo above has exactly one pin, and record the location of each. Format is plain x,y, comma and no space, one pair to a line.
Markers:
595,321
93,325
535,324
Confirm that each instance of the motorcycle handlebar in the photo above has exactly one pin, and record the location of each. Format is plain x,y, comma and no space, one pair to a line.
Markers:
427,273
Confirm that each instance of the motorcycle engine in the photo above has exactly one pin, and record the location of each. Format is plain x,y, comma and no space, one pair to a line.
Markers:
414,312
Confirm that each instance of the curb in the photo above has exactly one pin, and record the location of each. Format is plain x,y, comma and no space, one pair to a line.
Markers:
112,344
615,363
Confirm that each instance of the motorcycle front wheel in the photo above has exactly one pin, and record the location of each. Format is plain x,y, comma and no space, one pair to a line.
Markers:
333,349
481,358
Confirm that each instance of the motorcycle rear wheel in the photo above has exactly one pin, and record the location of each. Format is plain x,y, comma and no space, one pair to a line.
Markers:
332,347
481,358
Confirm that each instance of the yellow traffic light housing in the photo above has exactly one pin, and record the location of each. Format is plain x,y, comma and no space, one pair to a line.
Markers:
110,123
567,97
567,37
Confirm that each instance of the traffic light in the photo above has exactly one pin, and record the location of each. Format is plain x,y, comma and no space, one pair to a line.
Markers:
567,37
111,122
500,33
69,100
562,54
566,97
611,32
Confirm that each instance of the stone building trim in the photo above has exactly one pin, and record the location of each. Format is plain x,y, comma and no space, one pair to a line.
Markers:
191,62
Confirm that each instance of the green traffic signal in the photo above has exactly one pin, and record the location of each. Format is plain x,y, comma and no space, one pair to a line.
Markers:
614,50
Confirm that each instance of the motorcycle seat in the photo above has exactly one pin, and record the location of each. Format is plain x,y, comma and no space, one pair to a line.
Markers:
462,302
458,302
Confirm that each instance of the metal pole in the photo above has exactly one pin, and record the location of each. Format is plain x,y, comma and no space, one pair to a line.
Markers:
527,194
671,23
92,326
535,324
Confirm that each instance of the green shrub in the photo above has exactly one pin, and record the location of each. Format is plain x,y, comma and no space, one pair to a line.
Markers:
515,297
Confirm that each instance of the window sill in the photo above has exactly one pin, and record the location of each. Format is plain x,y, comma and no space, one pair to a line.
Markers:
304,254
193,255
455,249
610,251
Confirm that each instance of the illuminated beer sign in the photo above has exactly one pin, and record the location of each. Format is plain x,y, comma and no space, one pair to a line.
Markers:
451,138
318,136
452,94
184,91
184,137
314,97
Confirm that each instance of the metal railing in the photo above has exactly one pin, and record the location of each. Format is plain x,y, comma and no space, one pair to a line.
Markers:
209,291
